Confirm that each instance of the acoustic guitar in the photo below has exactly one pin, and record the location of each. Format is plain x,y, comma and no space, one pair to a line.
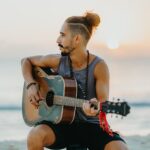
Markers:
60,102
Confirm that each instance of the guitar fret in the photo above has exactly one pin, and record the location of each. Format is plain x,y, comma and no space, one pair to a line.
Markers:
68,101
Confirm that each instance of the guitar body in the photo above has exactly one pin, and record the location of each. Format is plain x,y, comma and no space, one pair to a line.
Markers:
55,113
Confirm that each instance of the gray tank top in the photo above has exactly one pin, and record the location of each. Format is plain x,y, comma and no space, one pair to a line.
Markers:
80,76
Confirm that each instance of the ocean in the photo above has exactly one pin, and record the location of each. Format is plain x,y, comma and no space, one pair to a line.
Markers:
137,123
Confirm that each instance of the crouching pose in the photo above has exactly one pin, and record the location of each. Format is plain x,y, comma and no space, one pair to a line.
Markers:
92,76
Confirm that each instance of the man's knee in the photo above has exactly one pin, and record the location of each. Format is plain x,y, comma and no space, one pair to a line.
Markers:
40,136
116,145
34,138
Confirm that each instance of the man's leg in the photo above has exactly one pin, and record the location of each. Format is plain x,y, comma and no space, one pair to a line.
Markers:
116,145
40,136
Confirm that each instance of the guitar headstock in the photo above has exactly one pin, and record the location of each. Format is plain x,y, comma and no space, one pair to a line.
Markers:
120,108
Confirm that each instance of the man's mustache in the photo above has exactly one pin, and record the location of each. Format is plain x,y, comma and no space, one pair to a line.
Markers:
60,45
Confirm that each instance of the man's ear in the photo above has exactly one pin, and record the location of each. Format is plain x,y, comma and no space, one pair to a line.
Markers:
77,38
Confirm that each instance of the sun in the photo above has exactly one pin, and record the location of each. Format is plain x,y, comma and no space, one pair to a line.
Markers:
112,44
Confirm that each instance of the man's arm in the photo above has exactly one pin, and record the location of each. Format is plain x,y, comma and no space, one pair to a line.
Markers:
40,61
101,75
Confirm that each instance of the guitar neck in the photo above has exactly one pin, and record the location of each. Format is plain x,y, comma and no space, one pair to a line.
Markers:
68,101
121,108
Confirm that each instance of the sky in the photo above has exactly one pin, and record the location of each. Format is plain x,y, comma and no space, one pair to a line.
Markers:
31,27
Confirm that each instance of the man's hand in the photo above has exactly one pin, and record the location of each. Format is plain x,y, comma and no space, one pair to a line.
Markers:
34,95
89,107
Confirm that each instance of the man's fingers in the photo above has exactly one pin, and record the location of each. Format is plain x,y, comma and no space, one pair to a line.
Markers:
94,111
35,106
94,103
89,109
93,100
36,97
40,96
34,101
87,106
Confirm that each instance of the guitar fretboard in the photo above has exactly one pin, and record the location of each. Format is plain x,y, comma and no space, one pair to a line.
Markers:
68,101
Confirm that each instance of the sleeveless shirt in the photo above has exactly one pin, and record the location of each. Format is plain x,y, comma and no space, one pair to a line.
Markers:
80,76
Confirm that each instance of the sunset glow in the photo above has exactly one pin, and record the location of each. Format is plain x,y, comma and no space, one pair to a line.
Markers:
112,44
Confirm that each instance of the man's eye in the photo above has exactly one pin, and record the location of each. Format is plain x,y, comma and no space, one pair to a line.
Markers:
62,34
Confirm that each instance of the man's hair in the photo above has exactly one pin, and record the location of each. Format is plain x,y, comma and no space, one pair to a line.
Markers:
83,25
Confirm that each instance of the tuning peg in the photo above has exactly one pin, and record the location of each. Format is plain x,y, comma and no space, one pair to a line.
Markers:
113,99
122,117
116,116
118,99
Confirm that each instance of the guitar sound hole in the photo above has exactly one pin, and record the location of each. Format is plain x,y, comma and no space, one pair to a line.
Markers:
49,98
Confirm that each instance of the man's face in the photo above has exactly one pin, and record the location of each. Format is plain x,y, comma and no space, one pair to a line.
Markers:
65,40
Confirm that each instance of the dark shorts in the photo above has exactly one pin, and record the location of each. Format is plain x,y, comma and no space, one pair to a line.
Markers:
85,134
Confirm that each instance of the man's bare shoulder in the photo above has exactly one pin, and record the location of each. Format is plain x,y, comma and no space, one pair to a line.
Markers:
101,69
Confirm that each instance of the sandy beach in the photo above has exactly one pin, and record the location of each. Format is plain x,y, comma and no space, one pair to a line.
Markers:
136,132
134,143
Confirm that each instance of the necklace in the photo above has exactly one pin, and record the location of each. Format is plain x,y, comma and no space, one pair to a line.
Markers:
85,93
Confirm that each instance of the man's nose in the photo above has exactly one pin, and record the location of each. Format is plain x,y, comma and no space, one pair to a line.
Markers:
58,40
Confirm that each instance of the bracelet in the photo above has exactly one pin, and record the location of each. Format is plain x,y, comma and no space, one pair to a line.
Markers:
32,83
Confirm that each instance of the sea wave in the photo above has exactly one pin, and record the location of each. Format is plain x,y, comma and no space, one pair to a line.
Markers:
140,104
9,107
19,107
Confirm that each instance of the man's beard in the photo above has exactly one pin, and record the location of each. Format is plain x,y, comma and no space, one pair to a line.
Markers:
67,48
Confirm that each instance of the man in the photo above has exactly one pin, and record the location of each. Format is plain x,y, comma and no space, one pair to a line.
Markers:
92,77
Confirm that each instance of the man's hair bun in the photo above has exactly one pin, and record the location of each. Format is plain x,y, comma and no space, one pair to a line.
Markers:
92,18
84,24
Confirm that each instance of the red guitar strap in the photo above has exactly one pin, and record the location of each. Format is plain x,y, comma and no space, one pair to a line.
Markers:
103,121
